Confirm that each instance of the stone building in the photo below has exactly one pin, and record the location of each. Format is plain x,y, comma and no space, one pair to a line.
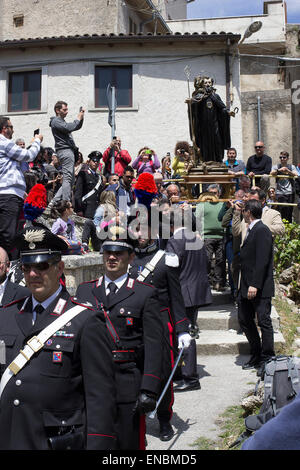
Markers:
265,86
64,49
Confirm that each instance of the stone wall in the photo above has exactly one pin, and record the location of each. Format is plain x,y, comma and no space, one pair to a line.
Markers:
276,118
82,268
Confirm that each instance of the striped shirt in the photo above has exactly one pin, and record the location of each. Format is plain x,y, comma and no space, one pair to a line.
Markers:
12,180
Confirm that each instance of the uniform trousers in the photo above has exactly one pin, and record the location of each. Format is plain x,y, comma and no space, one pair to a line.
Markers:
67,160
10,209
260,347
189,368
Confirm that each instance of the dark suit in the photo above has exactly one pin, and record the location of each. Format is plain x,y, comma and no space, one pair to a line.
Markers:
86,181
172,314
257,271
49,395
13,291
136,339
194,287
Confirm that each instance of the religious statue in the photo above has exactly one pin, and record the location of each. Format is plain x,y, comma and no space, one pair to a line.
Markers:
209,122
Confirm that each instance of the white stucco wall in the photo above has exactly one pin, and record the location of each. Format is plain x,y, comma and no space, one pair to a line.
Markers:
158,117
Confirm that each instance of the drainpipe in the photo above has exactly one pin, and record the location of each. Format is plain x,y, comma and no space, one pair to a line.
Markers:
228,74
258,119
142,24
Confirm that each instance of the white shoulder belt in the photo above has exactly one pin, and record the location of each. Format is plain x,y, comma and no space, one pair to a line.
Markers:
150,266
36,343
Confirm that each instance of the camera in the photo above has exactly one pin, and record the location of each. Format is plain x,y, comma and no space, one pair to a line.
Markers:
182,151
148,152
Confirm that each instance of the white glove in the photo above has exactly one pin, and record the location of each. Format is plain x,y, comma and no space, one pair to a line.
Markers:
184,340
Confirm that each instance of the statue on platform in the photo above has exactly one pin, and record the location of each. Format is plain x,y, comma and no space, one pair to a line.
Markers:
209,122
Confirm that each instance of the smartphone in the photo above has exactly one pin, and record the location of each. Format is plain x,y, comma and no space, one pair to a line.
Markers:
80,109
36,132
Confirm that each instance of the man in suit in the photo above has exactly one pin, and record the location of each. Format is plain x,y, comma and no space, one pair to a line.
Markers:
160,269
9,291
256,286
133,321
57,386
270,217
189,248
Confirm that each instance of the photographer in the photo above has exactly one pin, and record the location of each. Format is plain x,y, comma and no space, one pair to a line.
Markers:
182,162
65,147
121,156
146,161
12,183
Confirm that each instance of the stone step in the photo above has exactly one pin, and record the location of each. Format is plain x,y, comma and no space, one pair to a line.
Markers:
224,317
215,342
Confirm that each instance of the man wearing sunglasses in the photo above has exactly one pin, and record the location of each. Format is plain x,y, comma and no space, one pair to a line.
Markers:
260,164
57,384
285,186
12,181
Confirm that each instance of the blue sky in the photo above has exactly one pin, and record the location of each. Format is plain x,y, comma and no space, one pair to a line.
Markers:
217,8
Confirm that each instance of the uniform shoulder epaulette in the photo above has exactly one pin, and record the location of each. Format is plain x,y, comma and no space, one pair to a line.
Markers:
145,284
15,302
171,260
86,304
89,282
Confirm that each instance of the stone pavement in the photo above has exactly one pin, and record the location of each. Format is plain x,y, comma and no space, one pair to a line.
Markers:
221,354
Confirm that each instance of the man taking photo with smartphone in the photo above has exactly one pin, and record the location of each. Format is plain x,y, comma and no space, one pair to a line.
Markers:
65,147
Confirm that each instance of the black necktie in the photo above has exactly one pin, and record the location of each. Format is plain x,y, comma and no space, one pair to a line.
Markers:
112,291
38,309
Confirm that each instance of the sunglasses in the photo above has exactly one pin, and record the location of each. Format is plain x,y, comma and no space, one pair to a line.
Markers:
44,266
10,127
283,158
259,146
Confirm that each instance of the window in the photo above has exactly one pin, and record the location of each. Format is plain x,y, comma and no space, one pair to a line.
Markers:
18,20
118,76
24,91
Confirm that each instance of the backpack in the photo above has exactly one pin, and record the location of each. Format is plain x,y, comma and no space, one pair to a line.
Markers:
281,376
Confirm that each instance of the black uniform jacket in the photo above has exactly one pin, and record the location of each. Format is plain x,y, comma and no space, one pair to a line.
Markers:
193,268
13,291
86,181
69,382
257,261
134,317
166,280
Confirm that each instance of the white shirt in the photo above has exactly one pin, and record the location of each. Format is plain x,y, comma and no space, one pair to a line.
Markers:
45,304
2,289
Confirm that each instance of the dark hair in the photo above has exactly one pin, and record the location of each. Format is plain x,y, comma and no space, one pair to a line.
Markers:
254,207
232,148
59,208
59,104
183,144
285,154
3,122
128,168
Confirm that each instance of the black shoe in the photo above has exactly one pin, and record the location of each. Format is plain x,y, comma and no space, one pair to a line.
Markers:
187,386
166,432
253,362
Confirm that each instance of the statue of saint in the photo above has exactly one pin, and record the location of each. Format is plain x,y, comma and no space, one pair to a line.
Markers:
209,122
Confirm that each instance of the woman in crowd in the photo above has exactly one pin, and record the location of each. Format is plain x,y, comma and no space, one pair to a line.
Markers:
146,162
182,162
64,226
106,210
272,197
166,170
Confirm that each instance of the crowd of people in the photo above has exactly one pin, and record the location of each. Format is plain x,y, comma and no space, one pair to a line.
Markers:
129,325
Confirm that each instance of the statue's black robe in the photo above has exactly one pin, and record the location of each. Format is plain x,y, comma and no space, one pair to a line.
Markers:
210,121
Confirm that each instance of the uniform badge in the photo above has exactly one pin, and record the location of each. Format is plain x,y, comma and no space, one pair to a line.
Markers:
59,306
122,310
130,283
129,321
57,357
49,342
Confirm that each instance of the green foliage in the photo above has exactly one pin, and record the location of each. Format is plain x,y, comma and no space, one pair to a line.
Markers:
287,247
